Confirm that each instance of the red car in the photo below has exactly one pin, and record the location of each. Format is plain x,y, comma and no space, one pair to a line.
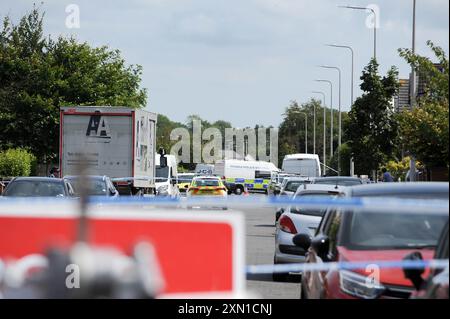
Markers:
378,235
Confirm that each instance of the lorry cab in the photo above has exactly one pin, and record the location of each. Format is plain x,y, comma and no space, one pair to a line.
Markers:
166,176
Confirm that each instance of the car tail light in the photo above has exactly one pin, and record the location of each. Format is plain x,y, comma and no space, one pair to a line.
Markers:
287,225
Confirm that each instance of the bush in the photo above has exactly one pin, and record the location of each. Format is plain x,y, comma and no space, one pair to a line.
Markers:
16,162
399,169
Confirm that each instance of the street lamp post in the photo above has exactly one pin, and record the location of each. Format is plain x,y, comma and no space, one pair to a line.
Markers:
324,128
332,118
374,25
340,115
412,164
353,66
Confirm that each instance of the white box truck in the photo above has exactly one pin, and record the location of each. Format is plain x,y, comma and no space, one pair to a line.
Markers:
113,141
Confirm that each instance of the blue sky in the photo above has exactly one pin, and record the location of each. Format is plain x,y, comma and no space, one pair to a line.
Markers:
243,60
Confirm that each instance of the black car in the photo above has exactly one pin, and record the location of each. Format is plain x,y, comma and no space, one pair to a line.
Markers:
38,187
94,185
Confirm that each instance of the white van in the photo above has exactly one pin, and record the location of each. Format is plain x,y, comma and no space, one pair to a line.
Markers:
307,165
253,175
166,177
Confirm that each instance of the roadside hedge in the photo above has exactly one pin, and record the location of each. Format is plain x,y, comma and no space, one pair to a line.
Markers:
16,162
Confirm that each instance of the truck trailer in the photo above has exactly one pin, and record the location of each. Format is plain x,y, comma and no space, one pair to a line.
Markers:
114,141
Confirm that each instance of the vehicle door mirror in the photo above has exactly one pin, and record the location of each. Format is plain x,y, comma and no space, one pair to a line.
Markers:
415,275
321,245
303,241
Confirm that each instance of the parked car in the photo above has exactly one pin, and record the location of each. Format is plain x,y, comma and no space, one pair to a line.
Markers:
38,187
277,182
289,188
354,236
436,285
300,220
94,185
338,180
207,186
184,180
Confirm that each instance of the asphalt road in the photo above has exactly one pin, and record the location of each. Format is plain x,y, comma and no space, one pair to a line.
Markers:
260,245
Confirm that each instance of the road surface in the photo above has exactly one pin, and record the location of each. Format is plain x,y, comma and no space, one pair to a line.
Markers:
260,243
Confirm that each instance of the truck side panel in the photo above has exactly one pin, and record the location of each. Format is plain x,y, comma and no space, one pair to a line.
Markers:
104,140
144,148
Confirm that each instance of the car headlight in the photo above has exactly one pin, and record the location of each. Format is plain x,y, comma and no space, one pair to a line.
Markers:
163,189
359,286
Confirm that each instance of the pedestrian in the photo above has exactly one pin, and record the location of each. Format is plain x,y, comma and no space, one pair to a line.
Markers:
387,177
54,172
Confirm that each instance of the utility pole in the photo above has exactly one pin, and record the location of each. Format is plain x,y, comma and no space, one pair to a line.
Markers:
340,115
412,163
324,129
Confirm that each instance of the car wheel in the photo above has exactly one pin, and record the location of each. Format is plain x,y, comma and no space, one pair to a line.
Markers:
238,191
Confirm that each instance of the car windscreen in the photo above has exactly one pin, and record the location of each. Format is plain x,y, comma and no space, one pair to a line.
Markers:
339,182
311,211
206,182
185,178
392,230
93,187
293,186
35,189
162,173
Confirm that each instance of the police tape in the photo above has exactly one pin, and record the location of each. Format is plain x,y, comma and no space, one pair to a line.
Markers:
345,204
336,266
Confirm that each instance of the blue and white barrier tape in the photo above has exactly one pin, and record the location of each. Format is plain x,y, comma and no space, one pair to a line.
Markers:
387,204
334,266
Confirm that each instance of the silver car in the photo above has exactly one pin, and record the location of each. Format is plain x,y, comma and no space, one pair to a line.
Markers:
289,187
297,220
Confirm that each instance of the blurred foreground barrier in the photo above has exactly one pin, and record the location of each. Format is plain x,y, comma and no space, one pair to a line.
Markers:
199,253
376,204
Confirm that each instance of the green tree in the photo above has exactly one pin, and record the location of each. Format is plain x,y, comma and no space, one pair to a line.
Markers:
435,77
292,129
164,127
38,75
424,131
345,155
399,169
371,129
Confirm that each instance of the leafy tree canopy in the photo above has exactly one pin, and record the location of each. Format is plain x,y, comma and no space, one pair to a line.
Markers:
38,75
371,129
